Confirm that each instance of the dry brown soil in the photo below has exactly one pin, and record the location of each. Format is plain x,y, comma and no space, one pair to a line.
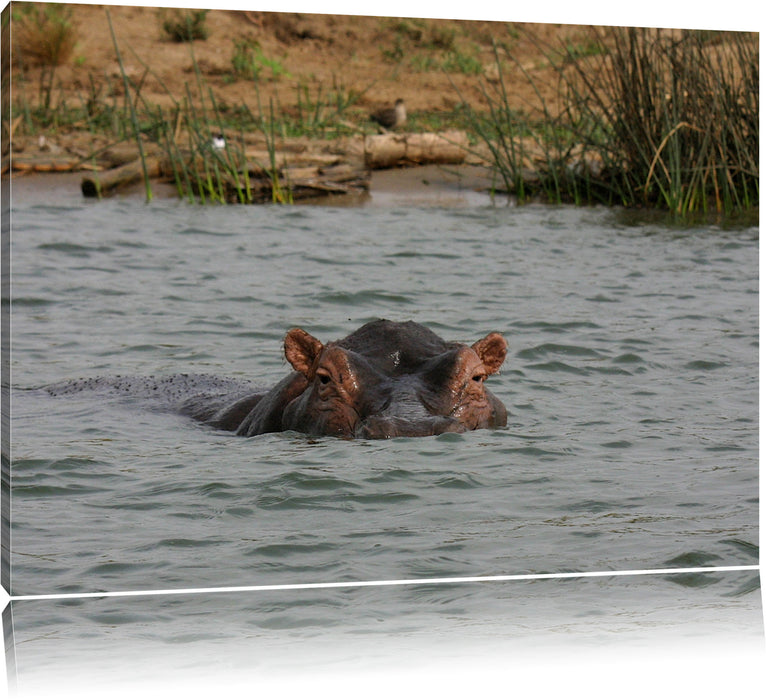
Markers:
378,58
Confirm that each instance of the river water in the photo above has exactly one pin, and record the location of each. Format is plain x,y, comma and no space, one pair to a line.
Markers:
631,385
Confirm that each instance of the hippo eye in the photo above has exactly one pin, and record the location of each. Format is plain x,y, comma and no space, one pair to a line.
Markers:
479,378
324,378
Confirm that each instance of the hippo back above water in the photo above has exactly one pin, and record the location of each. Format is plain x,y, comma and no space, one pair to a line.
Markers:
386,379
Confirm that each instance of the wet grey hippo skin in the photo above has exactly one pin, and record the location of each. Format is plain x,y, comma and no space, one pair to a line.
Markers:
386,379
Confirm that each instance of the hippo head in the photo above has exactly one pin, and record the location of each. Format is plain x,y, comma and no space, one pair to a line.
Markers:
392,379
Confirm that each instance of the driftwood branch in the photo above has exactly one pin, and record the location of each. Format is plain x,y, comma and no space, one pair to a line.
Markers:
391,150
43,163
98,184
306,182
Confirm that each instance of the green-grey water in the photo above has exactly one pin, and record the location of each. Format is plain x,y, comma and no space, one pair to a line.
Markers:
631,385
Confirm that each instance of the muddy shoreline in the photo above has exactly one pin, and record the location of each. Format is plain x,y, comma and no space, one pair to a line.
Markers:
419,186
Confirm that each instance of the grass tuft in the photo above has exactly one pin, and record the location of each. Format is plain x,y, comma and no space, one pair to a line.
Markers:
183,25
44,34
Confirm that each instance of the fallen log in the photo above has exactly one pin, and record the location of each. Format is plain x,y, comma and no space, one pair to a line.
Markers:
392,150
258,161
44,163
303,183
122,153
100,184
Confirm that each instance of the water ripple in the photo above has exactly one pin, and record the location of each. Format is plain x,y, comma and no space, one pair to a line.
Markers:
631,389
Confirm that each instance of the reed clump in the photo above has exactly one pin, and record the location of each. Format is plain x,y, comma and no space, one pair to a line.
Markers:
44,37
249,61
647,117
184,25
44,34
205,166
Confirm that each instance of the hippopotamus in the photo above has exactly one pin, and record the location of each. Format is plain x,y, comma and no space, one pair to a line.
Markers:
386,379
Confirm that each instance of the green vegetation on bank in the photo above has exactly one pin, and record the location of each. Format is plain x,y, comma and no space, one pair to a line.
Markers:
638,117
647,117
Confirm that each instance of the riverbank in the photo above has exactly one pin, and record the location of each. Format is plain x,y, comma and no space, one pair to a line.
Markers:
421,186
560,113
321,76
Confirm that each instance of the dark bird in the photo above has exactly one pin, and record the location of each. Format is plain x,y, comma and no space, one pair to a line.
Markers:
391,117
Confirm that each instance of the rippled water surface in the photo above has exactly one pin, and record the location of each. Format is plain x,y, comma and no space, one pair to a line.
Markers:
631,385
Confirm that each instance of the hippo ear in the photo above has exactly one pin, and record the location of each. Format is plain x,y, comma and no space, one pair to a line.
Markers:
302,351
492,350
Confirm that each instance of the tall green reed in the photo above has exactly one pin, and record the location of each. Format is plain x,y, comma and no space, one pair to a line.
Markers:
646,118
675,117
201,170
133,111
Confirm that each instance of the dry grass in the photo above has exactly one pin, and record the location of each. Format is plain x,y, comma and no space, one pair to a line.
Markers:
43,34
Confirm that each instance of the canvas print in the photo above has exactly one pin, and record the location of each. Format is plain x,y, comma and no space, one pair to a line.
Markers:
340,339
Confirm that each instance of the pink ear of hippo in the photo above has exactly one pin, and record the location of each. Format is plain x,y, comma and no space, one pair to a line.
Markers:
302,351
492,350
